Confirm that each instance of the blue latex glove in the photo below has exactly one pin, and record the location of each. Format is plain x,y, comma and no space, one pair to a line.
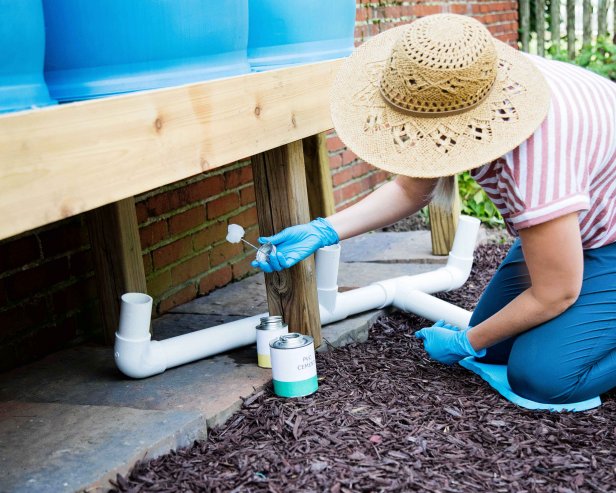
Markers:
447,343
296,243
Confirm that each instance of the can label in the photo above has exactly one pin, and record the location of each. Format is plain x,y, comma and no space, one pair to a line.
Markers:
294,371
264,337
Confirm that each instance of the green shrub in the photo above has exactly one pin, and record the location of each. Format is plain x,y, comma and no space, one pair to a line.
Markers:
600,57
476,203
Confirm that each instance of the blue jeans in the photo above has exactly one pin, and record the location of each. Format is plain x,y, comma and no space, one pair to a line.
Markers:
570,358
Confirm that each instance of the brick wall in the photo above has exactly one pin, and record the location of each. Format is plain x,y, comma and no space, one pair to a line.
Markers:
47,292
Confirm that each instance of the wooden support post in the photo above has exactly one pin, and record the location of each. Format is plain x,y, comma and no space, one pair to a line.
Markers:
571,29
282,201
118,264
586,23
444,221
318,176
602,9
555,25
525,23
540,26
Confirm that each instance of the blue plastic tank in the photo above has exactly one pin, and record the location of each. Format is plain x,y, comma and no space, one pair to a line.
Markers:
97,48
291,32
22,48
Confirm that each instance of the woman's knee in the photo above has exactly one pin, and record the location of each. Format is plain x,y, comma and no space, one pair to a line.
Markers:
537,379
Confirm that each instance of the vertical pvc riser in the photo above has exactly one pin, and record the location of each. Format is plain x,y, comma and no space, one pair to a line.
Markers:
135,316
465,238
327,262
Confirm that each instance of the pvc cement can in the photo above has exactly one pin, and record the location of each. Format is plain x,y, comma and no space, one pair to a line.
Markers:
294,368
269,329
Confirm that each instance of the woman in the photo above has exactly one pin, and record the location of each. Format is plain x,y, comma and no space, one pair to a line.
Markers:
440,96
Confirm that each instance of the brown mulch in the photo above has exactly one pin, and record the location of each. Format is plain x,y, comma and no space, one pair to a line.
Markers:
385,418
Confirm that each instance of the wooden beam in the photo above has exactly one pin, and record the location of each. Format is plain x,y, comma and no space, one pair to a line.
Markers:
318,176
118,265
444,221
282,201
586,23
60,161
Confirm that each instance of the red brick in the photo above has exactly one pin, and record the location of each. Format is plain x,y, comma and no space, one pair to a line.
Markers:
351,190
81,263
32,313
141,211
460,8
224,252
37,279
159,283
238,177
334,144
3,294
74,296
183,296
69,236
242,267
191,268
223,205
423,10
206,188
245,218
187,220
342,177
247,195
15,253
167,201
172,252
148,267
348,157
153,233
362,13
216,279
205,238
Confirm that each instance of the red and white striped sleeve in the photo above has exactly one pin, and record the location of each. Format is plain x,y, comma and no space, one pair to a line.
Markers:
547,175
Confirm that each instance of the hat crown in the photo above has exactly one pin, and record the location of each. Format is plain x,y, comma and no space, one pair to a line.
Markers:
441,64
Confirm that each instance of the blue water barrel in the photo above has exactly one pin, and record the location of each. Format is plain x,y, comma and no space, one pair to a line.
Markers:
291,32
97,48
22,48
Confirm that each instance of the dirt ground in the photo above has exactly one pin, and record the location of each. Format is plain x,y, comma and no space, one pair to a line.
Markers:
386,418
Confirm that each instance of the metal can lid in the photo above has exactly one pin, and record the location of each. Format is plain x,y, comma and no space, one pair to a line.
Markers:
291,341
264,252
271,323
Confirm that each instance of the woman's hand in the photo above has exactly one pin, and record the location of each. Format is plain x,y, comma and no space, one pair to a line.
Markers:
447,343
296,243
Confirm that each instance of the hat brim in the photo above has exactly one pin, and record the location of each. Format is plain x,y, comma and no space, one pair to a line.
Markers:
434,146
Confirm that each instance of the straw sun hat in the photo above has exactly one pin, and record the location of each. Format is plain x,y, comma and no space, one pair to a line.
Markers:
436,97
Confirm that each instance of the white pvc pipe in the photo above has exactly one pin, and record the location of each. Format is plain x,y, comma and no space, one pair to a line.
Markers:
427,306
138,356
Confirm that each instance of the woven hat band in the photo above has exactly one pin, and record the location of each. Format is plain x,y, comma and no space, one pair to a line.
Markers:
436,114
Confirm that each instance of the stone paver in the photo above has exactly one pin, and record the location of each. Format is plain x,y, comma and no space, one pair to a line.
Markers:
50,447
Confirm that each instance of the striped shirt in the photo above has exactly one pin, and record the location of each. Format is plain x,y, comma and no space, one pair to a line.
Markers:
568,164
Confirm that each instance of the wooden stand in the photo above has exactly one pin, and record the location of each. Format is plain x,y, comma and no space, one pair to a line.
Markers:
318,176
116,249
282,201
444,221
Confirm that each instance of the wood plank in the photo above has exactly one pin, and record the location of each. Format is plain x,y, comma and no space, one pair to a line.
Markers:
118,265
540,24
282,201
571,29
524,23
318,176
555,25
444,221
59,161
586,23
